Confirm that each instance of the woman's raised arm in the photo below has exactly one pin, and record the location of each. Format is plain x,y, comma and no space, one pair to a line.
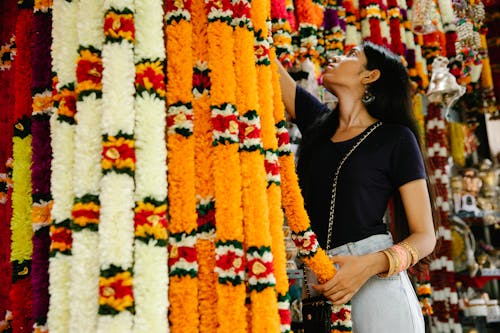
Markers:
288,87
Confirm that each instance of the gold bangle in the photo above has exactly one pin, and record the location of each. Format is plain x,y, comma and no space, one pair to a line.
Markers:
391,264
413,252
397,262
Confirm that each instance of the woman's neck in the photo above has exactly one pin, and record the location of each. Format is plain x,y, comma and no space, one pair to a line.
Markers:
353,114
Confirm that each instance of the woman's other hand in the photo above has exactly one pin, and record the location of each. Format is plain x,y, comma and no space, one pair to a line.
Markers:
352,273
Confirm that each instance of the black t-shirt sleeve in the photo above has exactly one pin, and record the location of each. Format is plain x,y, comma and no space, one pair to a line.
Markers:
406,163
307,109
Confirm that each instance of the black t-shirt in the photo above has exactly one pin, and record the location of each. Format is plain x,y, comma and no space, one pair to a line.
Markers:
387,159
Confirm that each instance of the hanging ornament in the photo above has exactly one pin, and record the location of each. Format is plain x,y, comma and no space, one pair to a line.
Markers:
443,86
421,21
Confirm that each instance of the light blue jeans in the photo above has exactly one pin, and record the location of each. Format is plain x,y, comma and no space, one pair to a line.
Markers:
387,305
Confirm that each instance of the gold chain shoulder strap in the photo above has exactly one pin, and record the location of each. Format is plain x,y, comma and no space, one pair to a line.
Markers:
336,178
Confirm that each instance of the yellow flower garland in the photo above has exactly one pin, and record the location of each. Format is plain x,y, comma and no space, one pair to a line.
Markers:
183,289
260,270
204,182
230,266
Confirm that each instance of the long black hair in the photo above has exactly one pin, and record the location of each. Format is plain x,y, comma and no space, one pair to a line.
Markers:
392,104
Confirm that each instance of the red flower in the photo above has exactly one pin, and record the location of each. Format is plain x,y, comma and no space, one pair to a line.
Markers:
341,315
306,243
181,252
144,217
222,123
278,9
285,316
225,5
172,5
117,24
87,213
120,289
375,33
283,138
119,151
150,75
89,71
248,131
201,80
230,260
259,268
208,218
241,9
272,167
61,235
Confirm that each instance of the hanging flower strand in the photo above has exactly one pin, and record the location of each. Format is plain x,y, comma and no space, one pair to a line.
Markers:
87,168
116,225
293,203
371,17
183,265
40,167
64,57
282,33
353,26
230,260
204,180
261,280
395,18
334,23
150,220
20,223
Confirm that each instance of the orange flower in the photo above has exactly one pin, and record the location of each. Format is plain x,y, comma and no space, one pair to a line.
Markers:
183,289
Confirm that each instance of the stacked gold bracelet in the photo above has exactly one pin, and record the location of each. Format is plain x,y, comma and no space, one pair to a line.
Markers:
400,256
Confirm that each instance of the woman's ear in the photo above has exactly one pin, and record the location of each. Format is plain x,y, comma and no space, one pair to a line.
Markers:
370,76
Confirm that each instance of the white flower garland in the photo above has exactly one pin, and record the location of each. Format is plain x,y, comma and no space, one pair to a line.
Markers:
84,289
150,268
64,36
116,227
447,15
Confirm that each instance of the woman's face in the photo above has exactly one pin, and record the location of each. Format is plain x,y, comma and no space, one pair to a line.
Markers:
345,71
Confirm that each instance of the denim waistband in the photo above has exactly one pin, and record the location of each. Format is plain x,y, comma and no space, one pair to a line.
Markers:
367,245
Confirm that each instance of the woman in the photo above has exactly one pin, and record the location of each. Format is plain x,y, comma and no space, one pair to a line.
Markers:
374,103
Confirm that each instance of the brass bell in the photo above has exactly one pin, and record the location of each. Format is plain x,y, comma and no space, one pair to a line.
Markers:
443,86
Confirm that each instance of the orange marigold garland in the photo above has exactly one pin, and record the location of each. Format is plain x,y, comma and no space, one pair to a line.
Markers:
297,218
282,32
204,182
230,260
260,15
183,289
150,220
260,270
116,225
310,19
278,247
